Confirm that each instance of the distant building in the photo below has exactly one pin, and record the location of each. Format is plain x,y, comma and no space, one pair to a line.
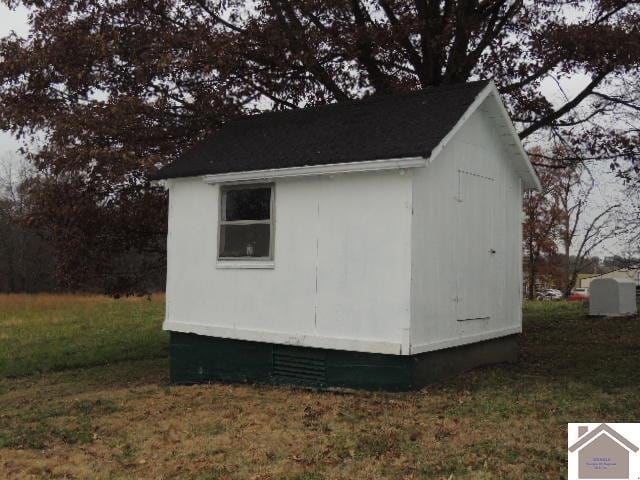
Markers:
629,274
580,281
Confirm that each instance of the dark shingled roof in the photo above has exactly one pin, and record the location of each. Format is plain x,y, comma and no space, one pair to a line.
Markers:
379,127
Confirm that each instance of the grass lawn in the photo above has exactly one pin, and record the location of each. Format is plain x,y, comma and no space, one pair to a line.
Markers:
84,394
42,333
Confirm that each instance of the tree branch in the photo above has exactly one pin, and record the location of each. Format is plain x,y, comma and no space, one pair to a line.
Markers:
618,100
494,27
549,119
204,5
365,54
293,29
412,55
273,98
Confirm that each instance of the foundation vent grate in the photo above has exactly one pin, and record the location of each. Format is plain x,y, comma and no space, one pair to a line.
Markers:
300,366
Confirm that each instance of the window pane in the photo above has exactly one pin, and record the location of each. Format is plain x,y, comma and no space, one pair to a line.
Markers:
248,204
245,240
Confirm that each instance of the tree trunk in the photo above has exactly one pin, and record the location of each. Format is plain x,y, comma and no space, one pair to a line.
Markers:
11,270
567,287
532,273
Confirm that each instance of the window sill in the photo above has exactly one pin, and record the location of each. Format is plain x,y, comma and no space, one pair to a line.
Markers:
244,264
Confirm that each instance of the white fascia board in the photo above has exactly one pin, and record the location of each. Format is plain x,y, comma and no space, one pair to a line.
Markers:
458,341
315,170
255,335
532,182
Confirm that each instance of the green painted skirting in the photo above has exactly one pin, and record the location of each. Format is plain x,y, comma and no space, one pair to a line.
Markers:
199,359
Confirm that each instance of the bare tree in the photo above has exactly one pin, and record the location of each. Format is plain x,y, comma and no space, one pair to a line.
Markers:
25,259
629,217
541,226
583,227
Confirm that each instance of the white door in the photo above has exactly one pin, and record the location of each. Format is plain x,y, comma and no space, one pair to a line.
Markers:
475,248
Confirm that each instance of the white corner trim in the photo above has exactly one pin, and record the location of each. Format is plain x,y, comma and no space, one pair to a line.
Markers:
455,342
314,170
355,345
243,264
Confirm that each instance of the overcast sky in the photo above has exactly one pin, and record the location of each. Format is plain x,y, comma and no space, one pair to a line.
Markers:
11,20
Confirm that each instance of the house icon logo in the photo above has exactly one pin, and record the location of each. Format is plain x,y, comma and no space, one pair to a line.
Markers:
599,451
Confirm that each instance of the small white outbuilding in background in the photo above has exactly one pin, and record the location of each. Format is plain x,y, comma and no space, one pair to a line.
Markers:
612,298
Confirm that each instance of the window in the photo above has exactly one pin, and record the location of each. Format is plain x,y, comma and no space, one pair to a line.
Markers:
246,222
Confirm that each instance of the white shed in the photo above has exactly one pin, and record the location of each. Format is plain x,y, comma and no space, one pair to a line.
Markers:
372,243
612,297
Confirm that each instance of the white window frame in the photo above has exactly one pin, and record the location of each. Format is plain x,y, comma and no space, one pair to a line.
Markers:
254,262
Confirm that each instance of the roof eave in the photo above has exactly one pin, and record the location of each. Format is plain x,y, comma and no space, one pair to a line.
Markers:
316,170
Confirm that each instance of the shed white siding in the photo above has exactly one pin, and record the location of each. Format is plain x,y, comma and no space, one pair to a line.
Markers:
467,203
341,272
394,261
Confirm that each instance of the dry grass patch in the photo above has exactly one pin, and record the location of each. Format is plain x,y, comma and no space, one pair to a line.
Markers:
149,430
123,420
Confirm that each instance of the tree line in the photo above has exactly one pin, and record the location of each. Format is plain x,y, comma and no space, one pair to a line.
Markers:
29,260
26,260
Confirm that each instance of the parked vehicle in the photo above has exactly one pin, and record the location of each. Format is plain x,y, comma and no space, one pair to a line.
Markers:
549,294
579,295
